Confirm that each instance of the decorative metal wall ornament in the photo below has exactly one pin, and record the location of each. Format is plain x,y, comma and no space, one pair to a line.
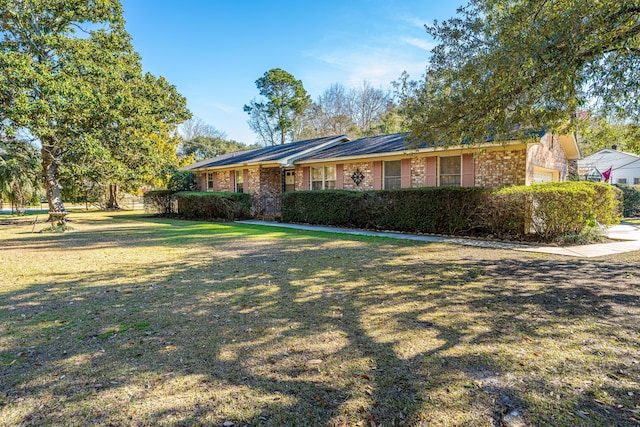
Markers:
357,177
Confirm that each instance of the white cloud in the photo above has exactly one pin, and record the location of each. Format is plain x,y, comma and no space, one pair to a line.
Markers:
379,66
221,107
419,43
415,22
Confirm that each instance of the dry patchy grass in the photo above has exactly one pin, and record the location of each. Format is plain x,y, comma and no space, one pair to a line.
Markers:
138,321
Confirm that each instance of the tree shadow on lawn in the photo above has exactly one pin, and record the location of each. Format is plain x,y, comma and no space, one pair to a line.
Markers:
164,231
315,331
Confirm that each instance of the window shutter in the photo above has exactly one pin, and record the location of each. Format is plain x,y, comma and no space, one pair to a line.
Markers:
305,178
203,182
405,173
468,171
377,175
339,176
245,181
232,181
215,181
431,171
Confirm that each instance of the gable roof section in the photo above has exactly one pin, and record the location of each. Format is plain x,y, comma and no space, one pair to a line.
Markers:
284,154
608,153
606,158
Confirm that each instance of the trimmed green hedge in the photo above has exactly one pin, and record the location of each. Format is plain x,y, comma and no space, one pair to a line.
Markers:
198,204
545,211
552,210
631,200
450,210
208,205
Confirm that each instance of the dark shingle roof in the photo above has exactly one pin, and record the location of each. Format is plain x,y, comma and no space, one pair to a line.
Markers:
372,145
384,144
276,153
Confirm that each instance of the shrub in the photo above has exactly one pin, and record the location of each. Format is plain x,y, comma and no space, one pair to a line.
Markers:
546,211
333,207
551,210
182,181
631,199
160,202
208,205
449,210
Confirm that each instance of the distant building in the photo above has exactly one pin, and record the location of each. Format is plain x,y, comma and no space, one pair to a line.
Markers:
625,167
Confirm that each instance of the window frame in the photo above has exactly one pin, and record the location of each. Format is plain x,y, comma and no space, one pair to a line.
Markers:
289,173
397,179
209,177
441,175
239,180
325,183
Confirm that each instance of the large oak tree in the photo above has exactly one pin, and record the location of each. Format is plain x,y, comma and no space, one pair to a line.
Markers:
69,75
502,67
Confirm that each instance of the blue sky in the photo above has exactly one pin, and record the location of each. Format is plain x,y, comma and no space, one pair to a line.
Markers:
213,51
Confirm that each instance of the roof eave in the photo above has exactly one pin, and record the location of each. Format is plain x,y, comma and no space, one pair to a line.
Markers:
570,146
282,162
407,152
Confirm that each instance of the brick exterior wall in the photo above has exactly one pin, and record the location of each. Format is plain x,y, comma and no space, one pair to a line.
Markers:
224,181
418,172
268,199
549,155
502,168
253,181
298,178
366,168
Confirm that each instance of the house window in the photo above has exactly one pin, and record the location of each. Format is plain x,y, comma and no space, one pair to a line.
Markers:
289,180
323,178
636,181
450,168
239,181
209,181
621,181
392,178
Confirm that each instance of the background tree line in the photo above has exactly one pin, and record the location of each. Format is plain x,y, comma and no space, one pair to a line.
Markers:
287,113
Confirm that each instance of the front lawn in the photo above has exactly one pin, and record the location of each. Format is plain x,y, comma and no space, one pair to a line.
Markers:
131,320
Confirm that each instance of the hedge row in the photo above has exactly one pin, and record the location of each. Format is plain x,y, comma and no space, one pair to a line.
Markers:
428,210
631,196
198,205
544,211
207,205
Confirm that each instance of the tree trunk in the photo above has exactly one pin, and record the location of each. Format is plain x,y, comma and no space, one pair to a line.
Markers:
113,197
52,182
